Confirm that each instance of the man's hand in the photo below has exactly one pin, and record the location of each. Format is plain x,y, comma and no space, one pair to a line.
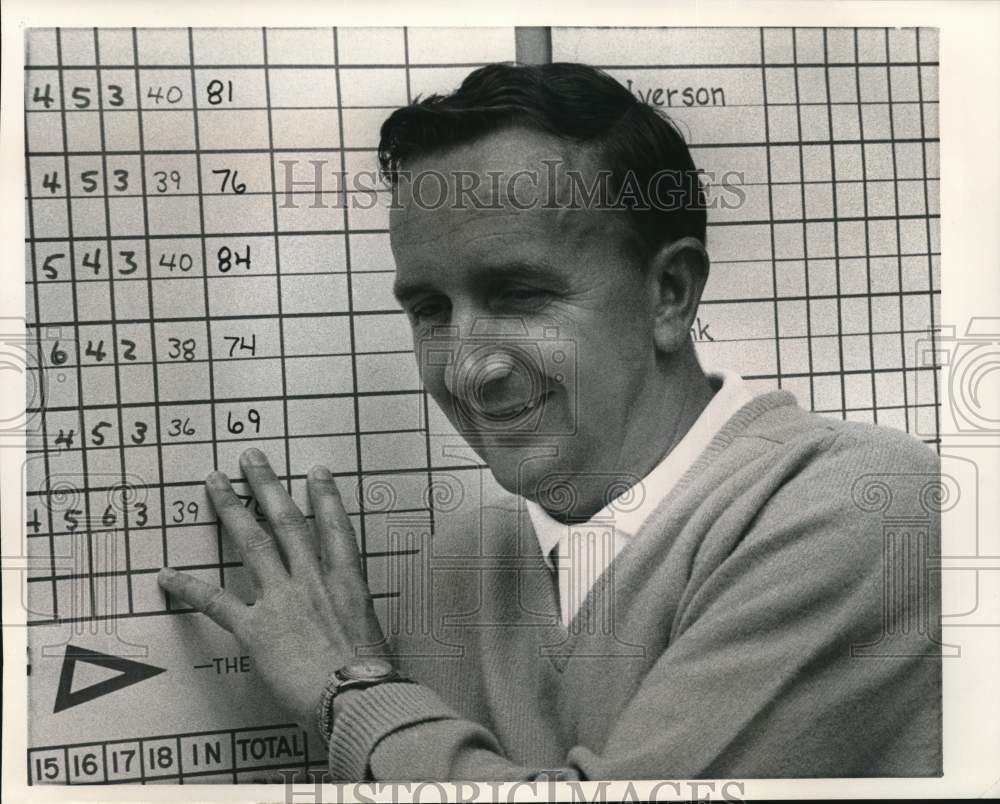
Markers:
310,613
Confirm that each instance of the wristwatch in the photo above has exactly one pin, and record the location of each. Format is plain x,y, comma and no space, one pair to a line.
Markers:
356,675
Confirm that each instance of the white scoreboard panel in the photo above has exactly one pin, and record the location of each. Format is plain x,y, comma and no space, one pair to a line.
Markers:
199,281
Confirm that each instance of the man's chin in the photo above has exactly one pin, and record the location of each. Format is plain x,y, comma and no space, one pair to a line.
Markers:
521,466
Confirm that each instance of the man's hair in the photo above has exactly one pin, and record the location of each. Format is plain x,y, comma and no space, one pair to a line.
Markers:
576,103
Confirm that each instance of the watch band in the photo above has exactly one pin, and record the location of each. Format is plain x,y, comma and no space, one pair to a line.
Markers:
353,675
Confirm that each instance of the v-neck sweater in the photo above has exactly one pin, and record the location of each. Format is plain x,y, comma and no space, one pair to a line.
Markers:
775,616
580,553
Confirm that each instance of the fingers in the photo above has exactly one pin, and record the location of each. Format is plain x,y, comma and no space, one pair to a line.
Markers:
338,545
260,553
224,608
289,525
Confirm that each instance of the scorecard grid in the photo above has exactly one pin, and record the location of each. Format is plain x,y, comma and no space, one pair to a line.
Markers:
390,371
835,133
194,292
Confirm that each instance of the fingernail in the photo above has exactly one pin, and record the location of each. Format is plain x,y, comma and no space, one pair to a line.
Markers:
255,457
166,573
320,473
217,480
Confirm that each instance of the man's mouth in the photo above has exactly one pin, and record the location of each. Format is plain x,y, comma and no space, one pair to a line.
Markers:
511,412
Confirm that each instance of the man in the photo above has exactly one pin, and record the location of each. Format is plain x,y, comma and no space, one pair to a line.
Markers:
688,580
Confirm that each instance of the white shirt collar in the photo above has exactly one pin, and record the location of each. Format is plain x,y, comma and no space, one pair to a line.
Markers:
631,509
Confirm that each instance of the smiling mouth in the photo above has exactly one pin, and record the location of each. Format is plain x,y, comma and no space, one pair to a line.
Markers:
512,412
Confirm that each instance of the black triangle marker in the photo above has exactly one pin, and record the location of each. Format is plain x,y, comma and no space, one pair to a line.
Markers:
132,672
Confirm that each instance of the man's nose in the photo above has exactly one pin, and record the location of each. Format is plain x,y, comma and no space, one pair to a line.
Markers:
476,368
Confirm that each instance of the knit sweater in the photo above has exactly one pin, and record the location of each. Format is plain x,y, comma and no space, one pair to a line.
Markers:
774,617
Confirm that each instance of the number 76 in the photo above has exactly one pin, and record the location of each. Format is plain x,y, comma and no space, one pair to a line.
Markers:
230,182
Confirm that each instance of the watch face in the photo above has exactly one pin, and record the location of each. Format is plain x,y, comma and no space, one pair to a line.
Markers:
366,669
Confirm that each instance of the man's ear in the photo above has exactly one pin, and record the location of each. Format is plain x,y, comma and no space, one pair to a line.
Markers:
676,276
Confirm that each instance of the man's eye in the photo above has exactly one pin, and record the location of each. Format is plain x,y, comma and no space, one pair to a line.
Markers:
527,296
428,310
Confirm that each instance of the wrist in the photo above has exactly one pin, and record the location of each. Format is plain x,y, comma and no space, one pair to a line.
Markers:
347,682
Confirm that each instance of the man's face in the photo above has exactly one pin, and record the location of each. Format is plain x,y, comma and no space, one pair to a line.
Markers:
532,327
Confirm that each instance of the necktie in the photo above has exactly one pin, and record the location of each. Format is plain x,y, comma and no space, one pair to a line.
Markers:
554,570
581,556
571,561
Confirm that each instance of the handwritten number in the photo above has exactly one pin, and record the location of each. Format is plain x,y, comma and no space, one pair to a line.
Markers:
129,257
230,179
116,97
182,349
216,88
165,179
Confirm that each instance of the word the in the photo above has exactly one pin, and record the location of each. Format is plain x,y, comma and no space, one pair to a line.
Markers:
224,665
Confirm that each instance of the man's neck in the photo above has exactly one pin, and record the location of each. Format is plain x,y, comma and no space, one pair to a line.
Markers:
661,420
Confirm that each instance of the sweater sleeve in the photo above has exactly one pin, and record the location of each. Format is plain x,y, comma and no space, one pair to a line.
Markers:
791,657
